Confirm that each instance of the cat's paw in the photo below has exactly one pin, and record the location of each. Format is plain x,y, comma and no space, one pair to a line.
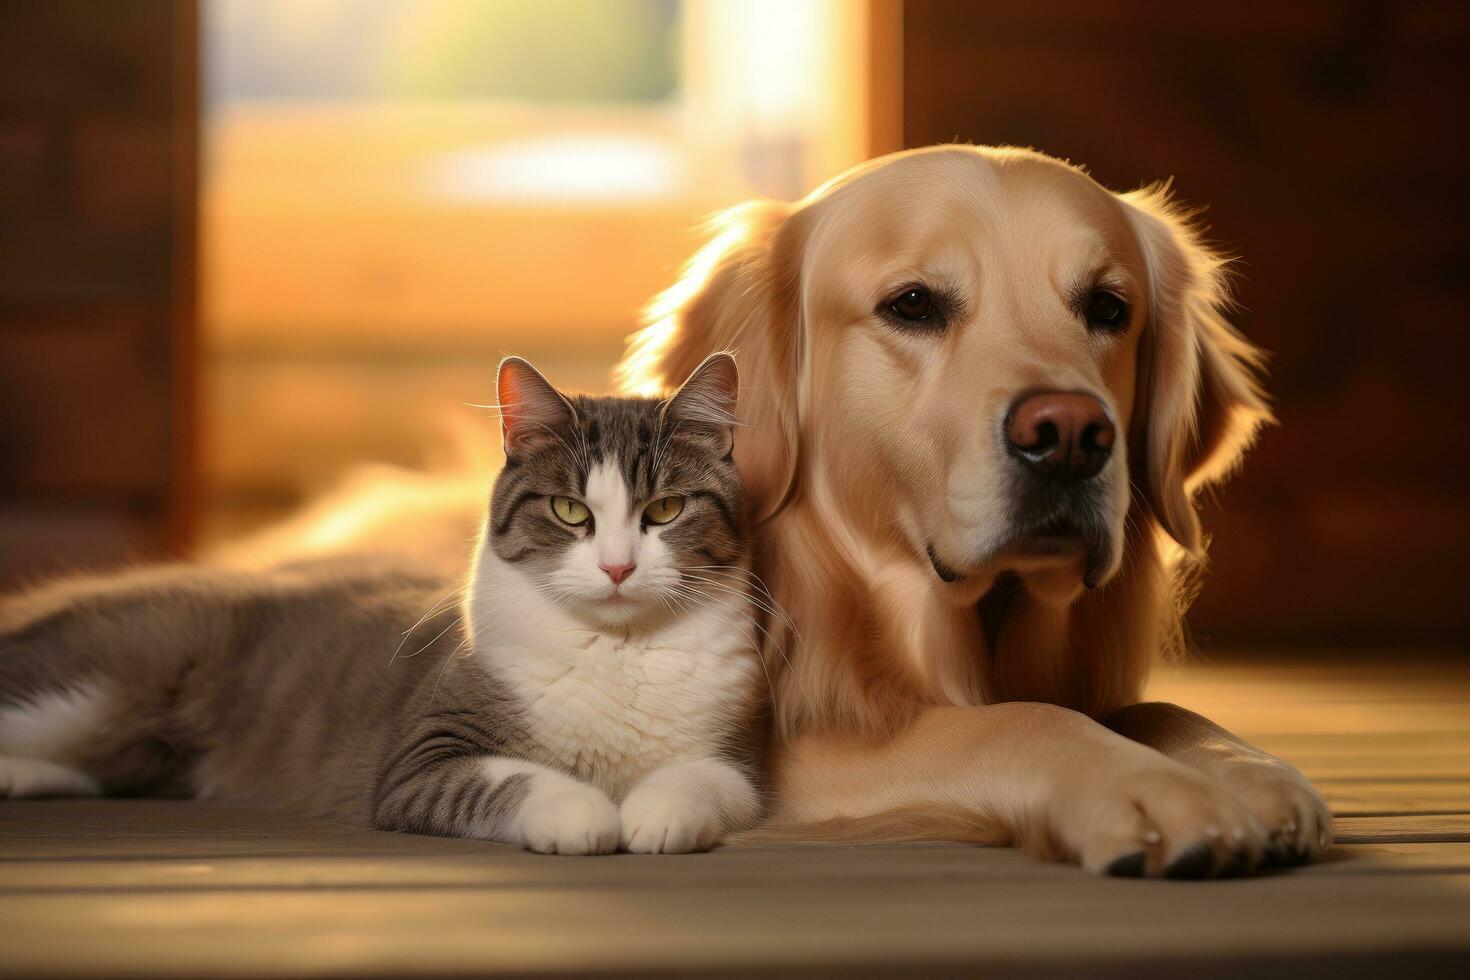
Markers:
664,819
21,778
569,818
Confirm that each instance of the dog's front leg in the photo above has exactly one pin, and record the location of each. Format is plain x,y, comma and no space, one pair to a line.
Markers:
1047,778
1295,816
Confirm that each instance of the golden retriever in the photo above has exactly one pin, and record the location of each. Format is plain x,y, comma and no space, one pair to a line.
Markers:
982,392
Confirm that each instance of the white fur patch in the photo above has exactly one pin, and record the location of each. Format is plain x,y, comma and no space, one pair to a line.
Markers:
560,815
22,778
51,726
687,807
616,539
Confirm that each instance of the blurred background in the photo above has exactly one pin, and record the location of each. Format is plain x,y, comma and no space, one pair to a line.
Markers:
245,244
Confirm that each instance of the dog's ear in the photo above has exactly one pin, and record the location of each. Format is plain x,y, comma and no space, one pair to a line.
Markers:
531,409
1199,403
737,294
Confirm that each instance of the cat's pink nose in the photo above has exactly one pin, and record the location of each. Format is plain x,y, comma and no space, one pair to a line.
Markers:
618,573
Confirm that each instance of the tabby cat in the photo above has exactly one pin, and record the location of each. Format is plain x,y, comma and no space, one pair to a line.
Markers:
595,686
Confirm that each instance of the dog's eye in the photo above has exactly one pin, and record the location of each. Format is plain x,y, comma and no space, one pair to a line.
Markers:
913,304
916,308
1107,311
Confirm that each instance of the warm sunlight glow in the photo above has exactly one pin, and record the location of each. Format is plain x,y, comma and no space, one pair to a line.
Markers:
637,374
560,170
395,195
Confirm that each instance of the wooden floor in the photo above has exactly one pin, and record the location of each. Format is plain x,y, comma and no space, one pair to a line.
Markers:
120,888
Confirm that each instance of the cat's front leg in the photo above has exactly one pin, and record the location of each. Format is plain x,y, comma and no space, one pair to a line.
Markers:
499,798
689,806
558,814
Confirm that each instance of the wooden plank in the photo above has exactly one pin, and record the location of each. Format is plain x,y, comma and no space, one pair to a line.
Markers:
1388,734
1402,828
750,870
1149,928
1371,797
133,829
88,832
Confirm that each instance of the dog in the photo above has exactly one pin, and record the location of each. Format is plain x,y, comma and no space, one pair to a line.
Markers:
982,392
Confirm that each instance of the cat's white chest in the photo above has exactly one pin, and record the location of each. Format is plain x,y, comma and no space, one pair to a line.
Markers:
611,709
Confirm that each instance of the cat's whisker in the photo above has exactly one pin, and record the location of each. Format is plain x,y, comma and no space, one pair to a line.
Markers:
765,603
667,604
440,679
769,608
755,647
457,592
435,640
765,593
690,594
770,684
712,598
775,644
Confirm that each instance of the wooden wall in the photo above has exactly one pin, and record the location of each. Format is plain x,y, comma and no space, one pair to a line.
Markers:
1325,139
97,157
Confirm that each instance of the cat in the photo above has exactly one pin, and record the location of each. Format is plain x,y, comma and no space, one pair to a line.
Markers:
597,685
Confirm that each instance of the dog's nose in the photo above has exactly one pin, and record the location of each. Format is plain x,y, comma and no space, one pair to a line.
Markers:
619,573
1064,435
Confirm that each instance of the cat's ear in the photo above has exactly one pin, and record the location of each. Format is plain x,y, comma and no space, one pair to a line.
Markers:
531,410
705,403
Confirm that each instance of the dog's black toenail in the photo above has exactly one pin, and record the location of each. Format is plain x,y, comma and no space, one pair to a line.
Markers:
1235,866
1278,854
1193,863
1128,866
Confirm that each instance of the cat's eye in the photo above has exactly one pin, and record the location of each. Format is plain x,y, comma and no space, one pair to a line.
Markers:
663,510
570,511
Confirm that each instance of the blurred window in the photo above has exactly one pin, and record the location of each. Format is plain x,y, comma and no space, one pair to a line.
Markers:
396,193
443,50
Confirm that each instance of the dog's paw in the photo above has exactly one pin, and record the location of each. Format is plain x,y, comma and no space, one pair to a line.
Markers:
1160,819
1296,820
665,819
569,818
